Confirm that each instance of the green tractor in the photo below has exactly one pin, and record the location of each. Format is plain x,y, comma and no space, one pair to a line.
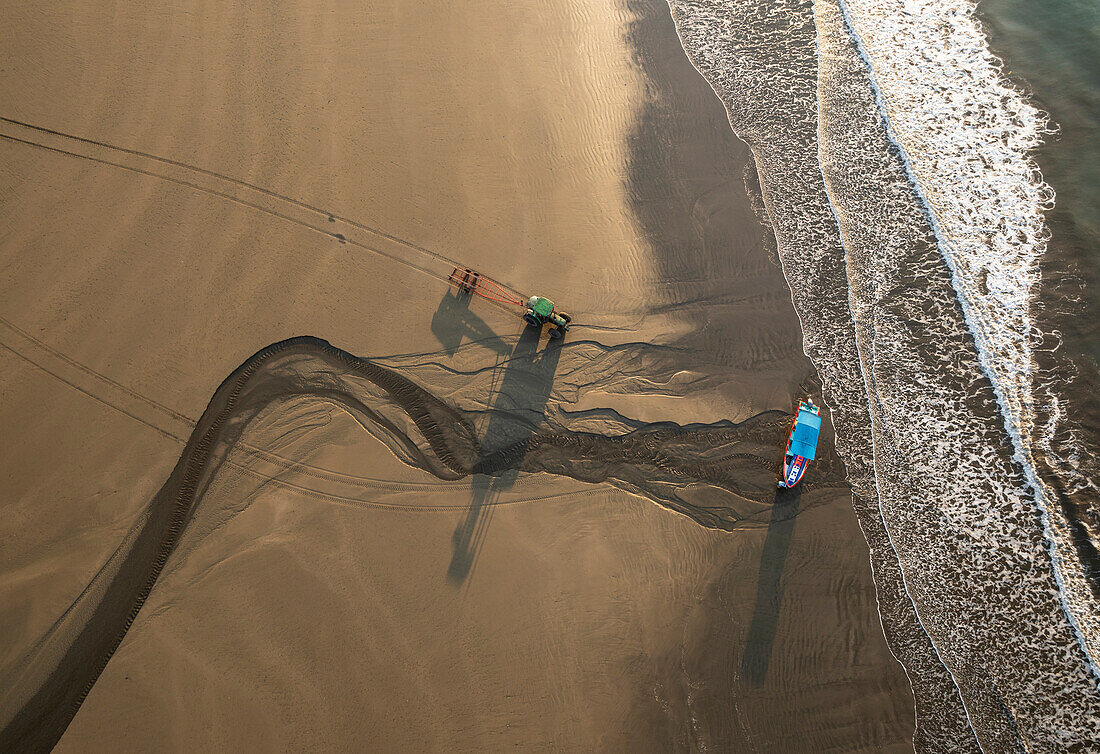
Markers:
541,310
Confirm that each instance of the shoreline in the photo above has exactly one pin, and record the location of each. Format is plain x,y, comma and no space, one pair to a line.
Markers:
514,610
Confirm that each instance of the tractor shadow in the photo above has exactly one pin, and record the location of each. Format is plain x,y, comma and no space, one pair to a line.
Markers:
453,321
769,587
518,405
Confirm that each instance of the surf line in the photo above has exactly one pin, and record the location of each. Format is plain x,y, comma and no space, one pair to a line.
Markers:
1072,585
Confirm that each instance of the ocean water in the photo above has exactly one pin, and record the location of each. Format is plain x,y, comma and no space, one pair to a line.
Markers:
945,285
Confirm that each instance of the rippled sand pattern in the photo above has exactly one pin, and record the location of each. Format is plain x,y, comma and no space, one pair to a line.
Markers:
441,531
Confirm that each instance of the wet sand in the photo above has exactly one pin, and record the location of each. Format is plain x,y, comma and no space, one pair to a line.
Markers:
569,150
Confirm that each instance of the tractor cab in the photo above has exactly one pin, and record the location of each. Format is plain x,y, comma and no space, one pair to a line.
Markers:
541,311
538,311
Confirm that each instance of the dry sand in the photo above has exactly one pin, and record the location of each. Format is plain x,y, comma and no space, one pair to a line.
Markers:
567,149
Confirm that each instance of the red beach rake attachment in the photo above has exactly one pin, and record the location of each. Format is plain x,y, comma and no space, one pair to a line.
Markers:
475,284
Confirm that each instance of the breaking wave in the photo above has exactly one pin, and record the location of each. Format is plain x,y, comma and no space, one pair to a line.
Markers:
965,137
895,168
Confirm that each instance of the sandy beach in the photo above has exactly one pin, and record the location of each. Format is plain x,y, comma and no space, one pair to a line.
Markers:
185,185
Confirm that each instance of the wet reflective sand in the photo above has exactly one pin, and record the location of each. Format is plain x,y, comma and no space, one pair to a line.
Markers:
336,582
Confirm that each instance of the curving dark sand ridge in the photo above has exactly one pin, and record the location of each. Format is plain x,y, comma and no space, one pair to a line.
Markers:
38,725
190,181
734,457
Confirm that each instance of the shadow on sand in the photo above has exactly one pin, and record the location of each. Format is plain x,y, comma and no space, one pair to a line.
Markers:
769,588
453,321
519,402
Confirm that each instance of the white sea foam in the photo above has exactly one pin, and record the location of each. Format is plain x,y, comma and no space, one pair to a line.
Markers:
938,301
965,136
960,517
760,57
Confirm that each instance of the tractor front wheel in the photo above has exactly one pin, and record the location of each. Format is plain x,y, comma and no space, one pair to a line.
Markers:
556,332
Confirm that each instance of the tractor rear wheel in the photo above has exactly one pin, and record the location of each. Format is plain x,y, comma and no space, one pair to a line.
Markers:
531,319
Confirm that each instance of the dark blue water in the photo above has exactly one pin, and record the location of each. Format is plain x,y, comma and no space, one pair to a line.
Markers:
1052,49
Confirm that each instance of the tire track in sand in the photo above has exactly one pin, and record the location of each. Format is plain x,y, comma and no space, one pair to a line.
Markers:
252,196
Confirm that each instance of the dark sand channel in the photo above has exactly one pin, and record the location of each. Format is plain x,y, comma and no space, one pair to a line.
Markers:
358,601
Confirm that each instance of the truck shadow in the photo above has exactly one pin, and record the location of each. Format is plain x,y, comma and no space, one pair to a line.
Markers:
453,321
518,405
769,588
